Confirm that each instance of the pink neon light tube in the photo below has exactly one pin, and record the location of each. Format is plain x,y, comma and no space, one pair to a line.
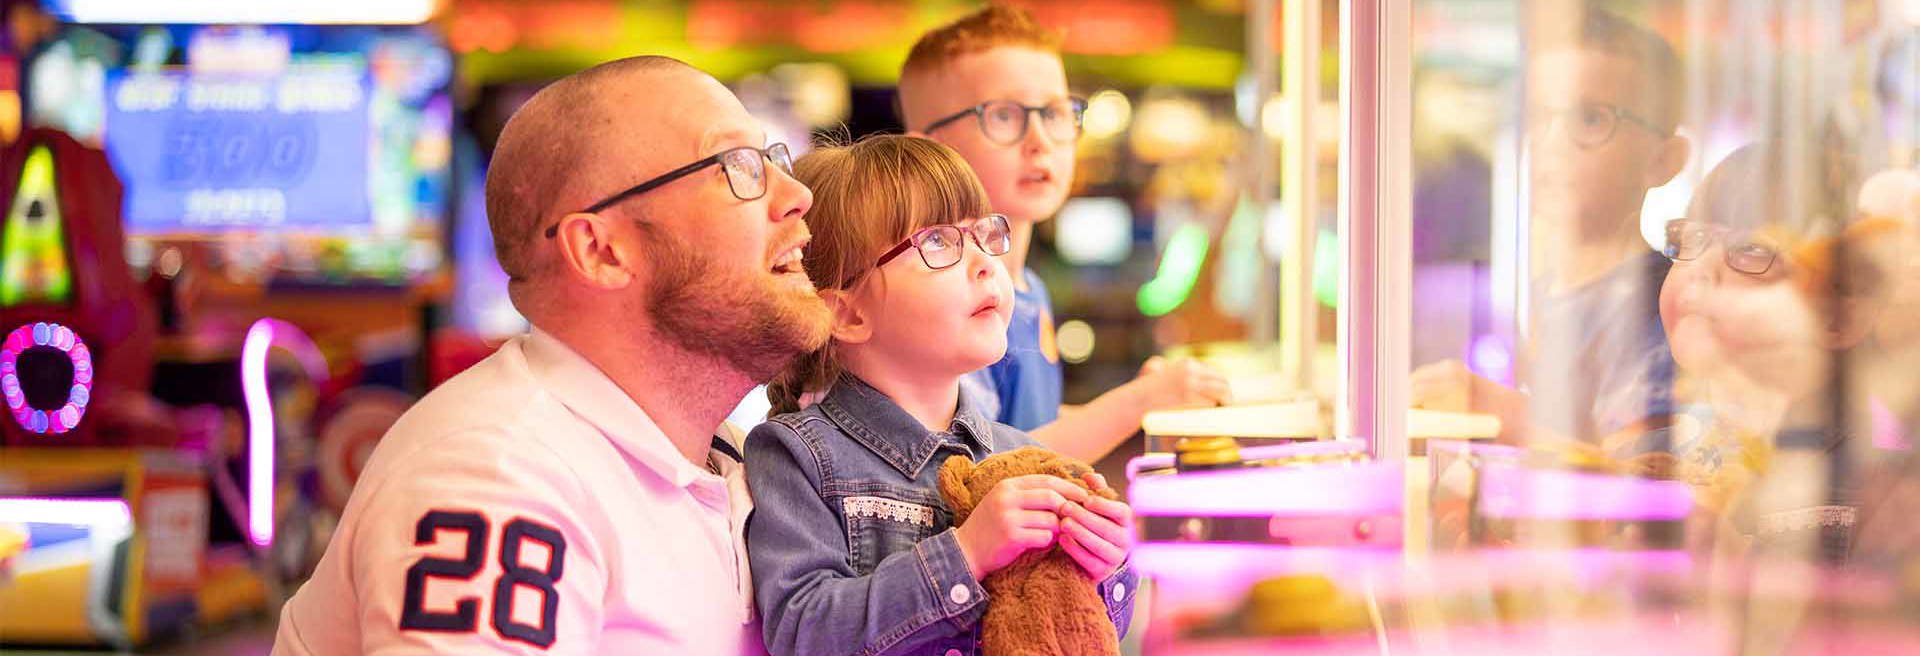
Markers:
253,383
1361,488
1514,492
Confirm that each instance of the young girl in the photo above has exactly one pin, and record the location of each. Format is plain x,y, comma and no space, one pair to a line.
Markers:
1770,309
853,550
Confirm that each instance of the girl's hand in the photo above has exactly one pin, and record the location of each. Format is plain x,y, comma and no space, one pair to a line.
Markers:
1018,515
1097,533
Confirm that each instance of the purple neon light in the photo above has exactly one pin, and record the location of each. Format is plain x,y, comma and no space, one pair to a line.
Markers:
1359,488
1516,492
1491,358
253,383
68,512
1203,573
1510,489
1222,566
79,395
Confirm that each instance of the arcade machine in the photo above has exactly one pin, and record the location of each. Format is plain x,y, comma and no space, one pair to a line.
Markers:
105,492
108,520
290,172
317,192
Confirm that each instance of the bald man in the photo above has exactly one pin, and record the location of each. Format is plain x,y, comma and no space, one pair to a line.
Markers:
577,492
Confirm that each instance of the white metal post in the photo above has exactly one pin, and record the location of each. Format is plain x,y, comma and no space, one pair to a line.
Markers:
1259,159
1375,226
1299,164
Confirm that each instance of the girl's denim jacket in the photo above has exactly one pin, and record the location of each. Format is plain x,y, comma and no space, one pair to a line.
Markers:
852,548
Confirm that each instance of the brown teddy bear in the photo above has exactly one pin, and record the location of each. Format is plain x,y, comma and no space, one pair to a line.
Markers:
1042,603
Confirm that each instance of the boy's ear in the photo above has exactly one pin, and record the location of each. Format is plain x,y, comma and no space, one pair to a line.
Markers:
900,114
851,325
1669,160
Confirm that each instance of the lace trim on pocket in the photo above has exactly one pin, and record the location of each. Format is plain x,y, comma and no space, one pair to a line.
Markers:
888,509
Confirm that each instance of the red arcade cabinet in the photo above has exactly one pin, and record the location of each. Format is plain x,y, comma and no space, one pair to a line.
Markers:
104,524
79,333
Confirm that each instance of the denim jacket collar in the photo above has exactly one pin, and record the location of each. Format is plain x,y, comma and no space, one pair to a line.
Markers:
886,429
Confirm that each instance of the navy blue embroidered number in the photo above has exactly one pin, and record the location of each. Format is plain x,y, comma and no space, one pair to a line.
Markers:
516,533
413,612
464,617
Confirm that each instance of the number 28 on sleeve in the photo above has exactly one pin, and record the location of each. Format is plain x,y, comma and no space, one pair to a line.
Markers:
476,534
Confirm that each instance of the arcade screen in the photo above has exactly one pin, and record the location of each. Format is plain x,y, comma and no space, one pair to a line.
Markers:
303,153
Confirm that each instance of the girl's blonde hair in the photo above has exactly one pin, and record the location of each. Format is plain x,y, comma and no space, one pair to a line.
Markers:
868,196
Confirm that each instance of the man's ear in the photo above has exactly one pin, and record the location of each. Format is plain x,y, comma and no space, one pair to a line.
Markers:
1669,160
589,250
851,323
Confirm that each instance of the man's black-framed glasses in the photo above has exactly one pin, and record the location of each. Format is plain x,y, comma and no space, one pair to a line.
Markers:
746,169
942,246
1687,239
1005,122
1589,124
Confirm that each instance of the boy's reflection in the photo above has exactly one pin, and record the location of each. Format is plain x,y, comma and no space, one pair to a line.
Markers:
1604,101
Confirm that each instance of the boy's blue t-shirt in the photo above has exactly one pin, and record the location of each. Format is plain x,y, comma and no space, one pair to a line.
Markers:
1601,359
1023,389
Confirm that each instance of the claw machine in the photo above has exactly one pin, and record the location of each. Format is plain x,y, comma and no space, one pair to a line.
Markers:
1621,361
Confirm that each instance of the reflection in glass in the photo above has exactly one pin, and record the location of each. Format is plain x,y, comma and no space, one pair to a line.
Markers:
1702,253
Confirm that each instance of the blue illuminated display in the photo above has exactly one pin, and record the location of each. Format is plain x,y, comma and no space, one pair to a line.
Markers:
216,153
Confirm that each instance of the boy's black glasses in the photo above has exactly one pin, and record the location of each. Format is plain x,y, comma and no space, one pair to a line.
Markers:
1005,122
1589,124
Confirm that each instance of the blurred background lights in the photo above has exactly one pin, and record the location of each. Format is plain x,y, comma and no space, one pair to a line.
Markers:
1170,128
1075,338
1097,230
1108,114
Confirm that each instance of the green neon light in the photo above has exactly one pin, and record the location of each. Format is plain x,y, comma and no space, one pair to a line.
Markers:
32,245
1326,268
1236,278
1179,270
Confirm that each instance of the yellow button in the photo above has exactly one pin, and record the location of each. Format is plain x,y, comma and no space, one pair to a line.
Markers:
1203,452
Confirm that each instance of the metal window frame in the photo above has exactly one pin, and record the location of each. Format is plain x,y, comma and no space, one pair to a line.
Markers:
1375,314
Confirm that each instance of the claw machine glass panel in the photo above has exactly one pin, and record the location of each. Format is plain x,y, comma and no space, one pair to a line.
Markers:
1626,300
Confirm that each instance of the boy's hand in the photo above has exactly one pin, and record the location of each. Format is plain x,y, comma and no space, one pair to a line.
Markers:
1450,386
1182,383
1097,533
1446,385
1019,514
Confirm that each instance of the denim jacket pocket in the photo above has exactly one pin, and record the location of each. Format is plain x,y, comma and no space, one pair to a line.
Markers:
879,526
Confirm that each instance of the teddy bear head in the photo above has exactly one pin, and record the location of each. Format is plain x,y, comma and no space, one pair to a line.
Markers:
964,482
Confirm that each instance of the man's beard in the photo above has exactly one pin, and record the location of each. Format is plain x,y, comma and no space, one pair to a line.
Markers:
755,328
